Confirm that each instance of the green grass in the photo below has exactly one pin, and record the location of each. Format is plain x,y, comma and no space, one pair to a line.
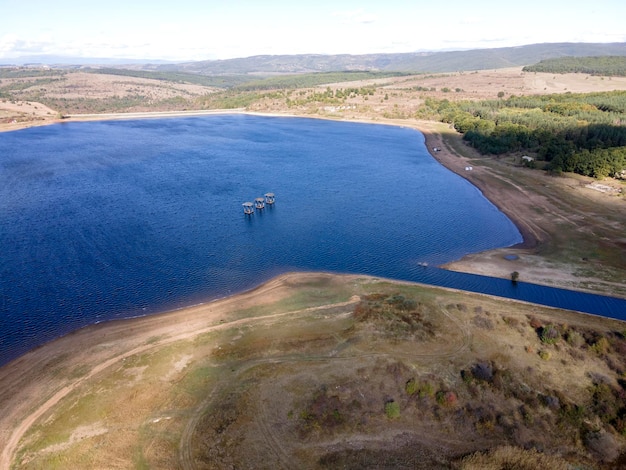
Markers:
392,409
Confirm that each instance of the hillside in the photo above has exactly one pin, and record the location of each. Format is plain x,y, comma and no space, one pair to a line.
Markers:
321,371
608,66
478,59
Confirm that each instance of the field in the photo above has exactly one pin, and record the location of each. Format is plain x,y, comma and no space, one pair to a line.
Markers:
322,371
79,92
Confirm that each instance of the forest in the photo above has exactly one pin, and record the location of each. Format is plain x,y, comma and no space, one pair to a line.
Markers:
606,65
580,133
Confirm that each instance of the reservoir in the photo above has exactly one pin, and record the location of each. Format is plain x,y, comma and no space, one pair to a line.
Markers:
106,220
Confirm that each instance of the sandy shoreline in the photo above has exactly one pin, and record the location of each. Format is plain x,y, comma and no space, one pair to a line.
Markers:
457,164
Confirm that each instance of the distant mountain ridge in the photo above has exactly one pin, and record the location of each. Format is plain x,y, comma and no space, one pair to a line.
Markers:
450,61
419,62
64,61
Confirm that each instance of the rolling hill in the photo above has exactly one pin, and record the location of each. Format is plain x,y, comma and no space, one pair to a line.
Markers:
452,61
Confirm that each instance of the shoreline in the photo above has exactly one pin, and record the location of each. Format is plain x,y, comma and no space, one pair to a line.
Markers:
457,164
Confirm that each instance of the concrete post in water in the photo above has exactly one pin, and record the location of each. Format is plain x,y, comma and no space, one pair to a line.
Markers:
248,208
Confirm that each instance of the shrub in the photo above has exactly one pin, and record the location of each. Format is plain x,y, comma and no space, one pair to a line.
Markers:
545,355
411,387
603,445
574,338
512,457
535,323
572,415
483,322
601,346
551,401
549,334
392,409
451,399
446,398
483,371
426,390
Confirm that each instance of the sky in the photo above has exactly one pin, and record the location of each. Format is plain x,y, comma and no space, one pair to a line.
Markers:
189,30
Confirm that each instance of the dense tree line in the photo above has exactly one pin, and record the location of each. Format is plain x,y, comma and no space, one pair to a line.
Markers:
29,72
583,133
604,65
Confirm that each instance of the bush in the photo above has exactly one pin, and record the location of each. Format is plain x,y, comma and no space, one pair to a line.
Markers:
603,445
483,371
574,338
549,334
545,355
601,346
512,457
392,409
411,387
448,398
483,322
426,390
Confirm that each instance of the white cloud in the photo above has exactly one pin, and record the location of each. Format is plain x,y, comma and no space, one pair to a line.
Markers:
8,43
11,45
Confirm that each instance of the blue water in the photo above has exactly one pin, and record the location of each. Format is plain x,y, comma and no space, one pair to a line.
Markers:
116,219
